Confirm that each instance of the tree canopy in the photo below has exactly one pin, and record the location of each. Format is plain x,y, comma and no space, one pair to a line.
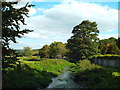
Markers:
12,18
84,42
54,50
44,51
27,51
109,46
57,49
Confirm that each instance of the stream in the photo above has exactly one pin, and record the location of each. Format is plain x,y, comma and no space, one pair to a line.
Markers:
64,80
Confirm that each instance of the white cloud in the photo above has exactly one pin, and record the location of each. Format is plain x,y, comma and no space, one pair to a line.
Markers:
35,35
56,23
22,44
32,11
104,36
62,18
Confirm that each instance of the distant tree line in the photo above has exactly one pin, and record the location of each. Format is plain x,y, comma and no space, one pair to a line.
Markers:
61,50
82,45
27,51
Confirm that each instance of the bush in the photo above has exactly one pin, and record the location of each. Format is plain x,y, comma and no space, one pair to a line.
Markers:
86,65
95,76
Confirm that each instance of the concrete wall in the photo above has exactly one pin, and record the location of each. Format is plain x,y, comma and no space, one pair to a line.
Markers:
105,62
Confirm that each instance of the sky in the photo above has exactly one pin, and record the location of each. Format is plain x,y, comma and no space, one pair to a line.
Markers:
54,21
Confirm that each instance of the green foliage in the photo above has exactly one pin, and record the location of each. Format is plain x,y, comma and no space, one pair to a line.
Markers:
50,65
8,61
44,51
86,64
95,76
57,49
109,46
84,42
11,19
116,73
113,49
83,65
20,52
30,58
118,42
34,74
27,51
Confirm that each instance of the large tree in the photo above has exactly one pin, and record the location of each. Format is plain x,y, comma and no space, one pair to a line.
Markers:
84,42
12,18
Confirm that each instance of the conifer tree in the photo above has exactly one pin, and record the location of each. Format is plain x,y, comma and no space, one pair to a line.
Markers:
84,42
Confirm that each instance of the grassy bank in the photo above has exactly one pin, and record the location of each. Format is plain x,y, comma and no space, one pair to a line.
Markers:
95,76
33,74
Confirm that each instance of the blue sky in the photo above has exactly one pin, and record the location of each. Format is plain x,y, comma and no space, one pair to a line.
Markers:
54,21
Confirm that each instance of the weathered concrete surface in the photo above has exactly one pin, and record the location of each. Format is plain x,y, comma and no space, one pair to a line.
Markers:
104,62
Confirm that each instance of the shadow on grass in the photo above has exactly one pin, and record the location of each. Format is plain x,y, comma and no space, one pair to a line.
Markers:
99,78
26,77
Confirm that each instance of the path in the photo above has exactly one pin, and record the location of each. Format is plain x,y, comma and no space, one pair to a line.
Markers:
64,80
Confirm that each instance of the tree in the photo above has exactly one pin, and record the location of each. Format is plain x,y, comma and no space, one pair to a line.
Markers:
44,51
106,47
11,19
57,49
27,51
106,44
113,49
84,42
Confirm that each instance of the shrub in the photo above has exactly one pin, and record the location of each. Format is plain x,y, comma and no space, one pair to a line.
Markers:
86,65
95,76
